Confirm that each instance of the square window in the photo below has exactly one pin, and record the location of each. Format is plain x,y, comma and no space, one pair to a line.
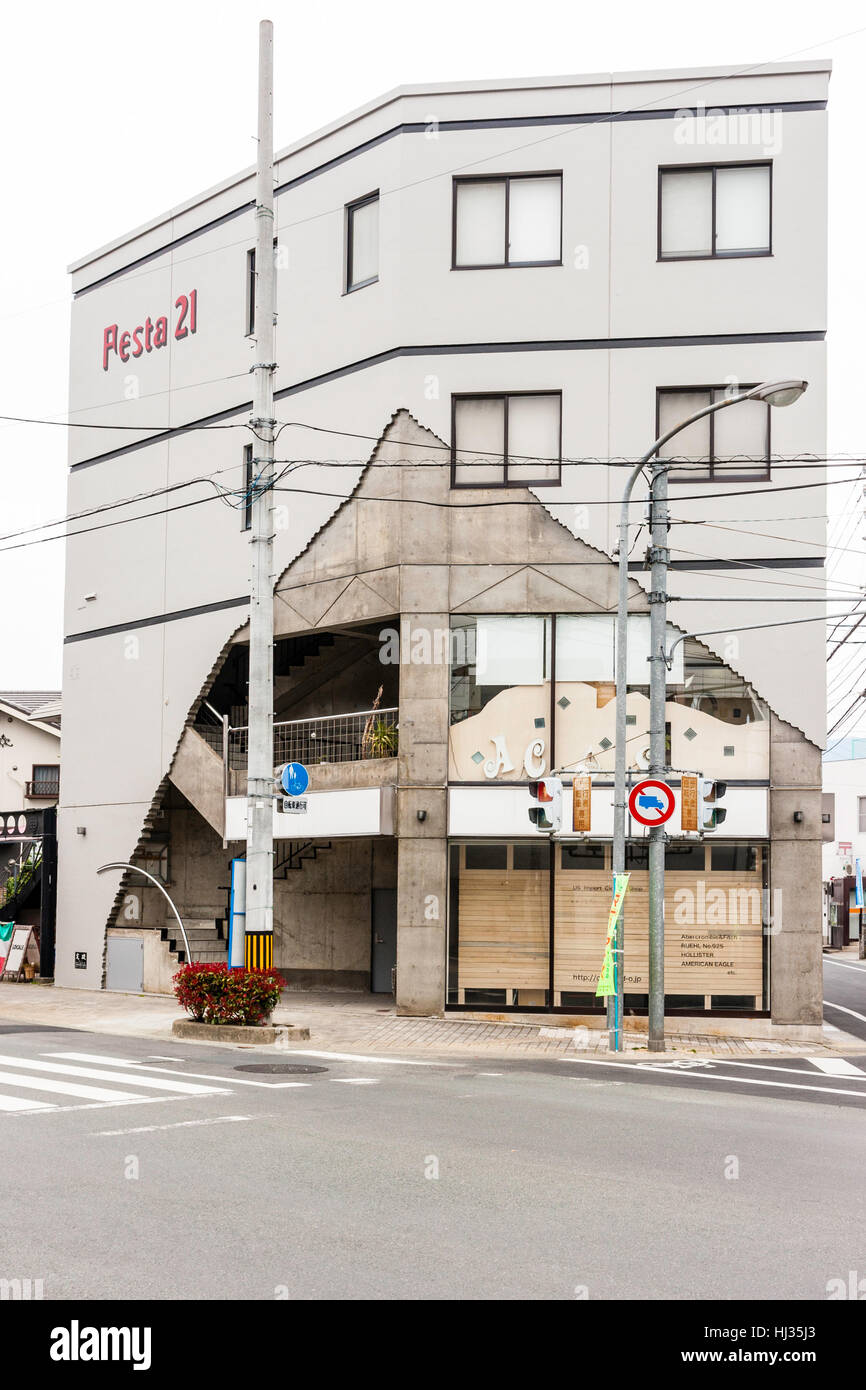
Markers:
730,444
362,242
716,210
506,440
507,220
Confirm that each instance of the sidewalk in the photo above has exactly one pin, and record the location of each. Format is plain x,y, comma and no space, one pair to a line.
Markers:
369,1024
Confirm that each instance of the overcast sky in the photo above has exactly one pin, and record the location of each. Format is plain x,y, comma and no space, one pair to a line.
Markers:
114,113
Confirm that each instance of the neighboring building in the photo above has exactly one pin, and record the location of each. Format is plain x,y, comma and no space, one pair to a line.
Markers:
29,749
844,806
488,294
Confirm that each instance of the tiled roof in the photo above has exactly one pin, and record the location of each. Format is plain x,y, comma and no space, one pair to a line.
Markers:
29,700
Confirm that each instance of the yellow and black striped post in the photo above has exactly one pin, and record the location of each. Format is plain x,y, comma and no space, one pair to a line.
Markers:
259,950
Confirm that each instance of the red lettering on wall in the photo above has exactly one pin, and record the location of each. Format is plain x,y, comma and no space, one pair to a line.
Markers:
109,344
155,332
181,303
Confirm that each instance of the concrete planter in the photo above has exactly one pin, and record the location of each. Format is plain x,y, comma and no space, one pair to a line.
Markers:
237,1032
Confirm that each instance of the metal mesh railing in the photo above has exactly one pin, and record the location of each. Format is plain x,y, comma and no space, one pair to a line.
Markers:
335,738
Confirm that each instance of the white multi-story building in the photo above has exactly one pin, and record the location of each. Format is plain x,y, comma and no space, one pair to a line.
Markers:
490,296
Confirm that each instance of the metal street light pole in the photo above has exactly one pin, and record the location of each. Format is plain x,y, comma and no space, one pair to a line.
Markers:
775,393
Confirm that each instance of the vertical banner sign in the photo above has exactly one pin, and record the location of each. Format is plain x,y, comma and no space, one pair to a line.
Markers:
581,804
689,803
858,884
606,984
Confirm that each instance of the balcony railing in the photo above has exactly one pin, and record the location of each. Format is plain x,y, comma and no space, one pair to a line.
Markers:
42,791
332,738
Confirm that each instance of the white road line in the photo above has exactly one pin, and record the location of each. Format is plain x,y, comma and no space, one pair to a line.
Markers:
836,1066
714,1076
63,1088
358,1057
178,1124
150,1083
168,1071
356,1081
760,1066
843,965
109,1104
19,1103
843,1010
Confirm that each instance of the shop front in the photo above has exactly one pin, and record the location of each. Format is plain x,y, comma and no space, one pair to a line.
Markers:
528,916
527,924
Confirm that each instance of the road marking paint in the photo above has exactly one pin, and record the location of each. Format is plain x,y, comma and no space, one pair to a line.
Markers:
63,1088
110,1104
166,1071
355,1080
150,1083
843,1010
843,965
714,1076
836,1066
178,1124
490,1073
19,1103
358,1057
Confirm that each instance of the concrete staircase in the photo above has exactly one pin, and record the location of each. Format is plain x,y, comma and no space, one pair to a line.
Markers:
197,772
208,939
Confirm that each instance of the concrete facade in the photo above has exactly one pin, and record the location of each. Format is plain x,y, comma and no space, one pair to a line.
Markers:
371,536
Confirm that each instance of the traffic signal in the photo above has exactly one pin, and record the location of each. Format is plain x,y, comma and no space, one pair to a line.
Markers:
546,809
710,794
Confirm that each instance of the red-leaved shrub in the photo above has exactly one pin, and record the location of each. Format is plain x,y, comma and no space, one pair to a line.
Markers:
213,993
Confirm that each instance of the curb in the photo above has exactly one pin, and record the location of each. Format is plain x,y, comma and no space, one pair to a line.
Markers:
237,1032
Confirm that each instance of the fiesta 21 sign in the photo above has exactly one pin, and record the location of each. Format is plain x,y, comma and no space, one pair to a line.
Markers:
151,334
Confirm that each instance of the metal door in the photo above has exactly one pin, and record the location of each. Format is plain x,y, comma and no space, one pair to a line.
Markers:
384,954
124,964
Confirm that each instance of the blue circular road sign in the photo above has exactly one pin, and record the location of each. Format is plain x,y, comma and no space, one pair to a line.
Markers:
294,779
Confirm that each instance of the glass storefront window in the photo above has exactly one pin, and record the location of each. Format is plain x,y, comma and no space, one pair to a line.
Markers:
503,709
500,698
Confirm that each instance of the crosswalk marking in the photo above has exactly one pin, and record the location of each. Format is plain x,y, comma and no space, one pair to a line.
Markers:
19,1103
151,1083
171,1071
836,1066
62,1088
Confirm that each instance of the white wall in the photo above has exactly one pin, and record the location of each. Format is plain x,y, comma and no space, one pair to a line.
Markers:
128,692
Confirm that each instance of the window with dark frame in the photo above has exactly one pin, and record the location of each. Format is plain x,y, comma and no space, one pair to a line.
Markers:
362,242
247,509
861,815
46,780
715,211
506,439
728,446
251,289
506,220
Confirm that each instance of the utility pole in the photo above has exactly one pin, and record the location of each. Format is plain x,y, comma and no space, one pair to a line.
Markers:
659,555
259,934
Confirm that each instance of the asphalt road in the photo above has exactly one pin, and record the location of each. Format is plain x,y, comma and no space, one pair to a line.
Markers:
845,993
184,1177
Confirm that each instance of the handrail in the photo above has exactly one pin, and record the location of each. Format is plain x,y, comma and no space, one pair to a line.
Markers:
321,718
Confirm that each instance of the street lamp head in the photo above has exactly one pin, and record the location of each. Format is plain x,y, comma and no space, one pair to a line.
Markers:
779,392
